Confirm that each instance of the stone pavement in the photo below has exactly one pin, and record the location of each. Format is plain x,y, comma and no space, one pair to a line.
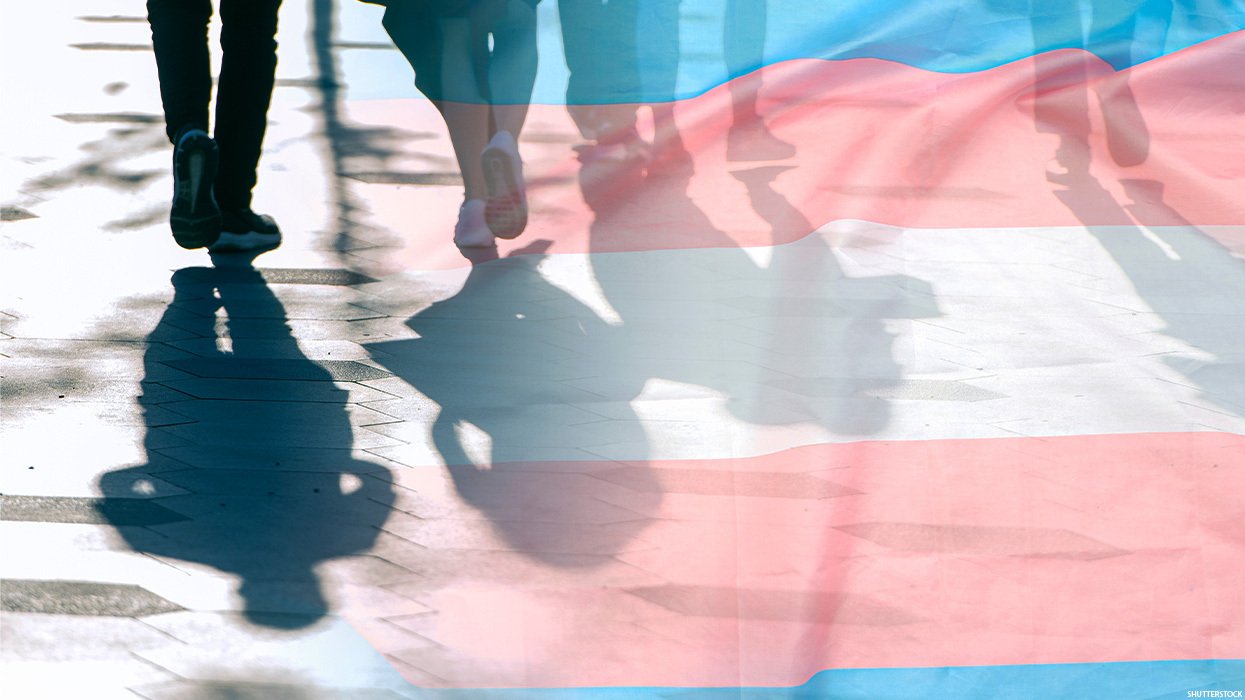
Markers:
358,466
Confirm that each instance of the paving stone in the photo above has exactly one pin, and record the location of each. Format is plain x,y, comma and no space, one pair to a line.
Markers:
780,605
274,431
255,368
114,563
348,479
301,413
372,327
537,539
276,390
904,390
406,178
733,511
121,511
114,19
43,416
275,458
398,388
1014,541
109,679
33,545
26,386
15,214
80,598
548,497
752,552
267,537
327,654
536,617
437,569
105,46
114,117
277,348
41,637
362,602
33,466
724,483
334,277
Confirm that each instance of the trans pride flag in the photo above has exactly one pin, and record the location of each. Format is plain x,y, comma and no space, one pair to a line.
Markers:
907,364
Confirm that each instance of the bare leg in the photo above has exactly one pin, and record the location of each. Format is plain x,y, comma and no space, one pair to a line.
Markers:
510,72
463,105
512,65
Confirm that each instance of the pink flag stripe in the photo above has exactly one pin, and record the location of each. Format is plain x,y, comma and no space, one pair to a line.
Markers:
956,150
766,570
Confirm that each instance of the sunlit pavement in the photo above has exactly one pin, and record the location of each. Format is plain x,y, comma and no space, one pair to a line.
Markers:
230,481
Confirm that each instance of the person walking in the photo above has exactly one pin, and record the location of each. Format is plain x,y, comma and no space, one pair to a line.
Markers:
476,61
213,175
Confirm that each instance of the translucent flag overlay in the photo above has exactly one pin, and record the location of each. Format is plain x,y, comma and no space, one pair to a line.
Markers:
775,449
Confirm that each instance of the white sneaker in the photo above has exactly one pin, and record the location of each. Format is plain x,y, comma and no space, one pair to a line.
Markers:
506,208
471,231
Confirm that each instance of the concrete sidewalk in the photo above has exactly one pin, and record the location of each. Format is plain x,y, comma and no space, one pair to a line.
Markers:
222,480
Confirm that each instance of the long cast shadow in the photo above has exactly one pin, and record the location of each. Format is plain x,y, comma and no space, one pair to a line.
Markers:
219,470
535,390
789,342
1183,274
506,360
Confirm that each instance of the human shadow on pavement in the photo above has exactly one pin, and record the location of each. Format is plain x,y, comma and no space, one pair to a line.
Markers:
1190,280
789,342
535,389
258,476
506,360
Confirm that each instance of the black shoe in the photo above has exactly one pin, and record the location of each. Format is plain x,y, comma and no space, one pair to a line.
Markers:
195,219
243,230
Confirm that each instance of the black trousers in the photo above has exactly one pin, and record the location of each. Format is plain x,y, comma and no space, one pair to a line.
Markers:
179,31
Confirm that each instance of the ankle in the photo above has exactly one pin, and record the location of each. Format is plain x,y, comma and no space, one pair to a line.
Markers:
188,131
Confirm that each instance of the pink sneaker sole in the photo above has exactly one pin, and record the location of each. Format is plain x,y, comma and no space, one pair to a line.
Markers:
505,210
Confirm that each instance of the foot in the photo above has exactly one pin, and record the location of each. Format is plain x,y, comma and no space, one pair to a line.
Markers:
505,210
610,174
195,218
243,230
472,231
623,147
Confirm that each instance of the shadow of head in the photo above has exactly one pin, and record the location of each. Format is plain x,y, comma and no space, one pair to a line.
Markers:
248,468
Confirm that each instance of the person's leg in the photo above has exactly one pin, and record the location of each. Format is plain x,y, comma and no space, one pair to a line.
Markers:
463,103
1060,89
510,72
444,56
659,32
468,114
512,64
413,30
179,35
604,85
248,68
442,51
